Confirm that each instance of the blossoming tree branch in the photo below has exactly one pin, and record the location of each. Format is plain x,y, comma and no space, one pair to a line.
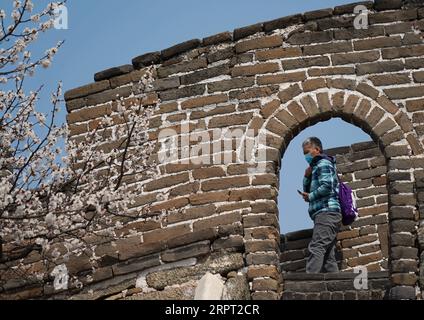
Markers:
60,201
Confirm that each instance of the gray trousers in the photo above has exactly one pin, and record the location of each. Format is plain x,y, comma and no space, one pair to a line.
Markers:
322,248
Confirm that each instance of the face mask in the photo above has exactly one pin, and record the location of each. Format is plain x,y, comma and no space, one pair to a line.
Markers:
308,158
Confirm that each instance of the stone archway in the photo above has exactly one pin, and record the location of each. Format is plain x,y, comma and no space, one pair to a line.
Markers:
303,105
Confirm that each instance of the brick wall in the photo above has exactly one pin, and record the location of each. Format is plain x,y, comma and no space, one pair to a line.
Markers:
274,79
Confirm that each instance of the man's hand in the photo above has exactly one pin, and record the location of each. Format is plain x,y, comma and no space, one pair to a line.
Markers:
308,171
305,196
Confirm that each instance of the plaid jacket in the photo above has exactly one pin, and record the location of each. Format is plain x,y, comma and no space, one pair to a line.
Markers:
322,186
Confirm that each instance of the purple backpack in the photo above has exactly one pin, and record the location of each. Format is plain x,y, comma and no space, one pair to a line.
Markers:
347,200
347,204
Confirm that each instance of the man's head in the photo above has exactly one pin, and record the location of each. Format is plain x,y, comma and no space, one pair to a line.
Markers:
312,147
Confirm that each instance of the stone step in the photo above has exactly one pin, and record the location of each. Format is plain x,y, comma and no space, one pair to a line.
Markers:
335,286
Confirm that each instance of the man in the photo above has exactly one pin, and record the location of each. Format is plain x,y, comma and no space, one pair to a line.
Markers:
321,188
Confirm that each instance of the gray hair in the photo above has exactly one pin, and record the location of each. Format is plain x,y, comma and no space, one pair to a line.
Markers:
314,141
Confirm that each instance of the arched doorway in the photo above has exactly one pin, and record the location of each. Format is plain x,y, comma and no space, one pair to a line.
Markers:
390,130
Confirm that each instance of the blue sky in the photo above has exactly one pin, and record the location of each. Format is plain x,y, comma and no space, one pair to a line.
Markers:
108,33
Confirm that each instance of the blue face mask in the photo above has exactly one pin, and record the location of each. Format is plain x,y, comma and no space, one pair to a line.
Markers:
308,158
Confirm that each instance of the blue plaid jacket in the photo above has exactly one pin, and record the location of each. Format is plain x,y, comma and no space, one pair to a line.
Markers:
322,186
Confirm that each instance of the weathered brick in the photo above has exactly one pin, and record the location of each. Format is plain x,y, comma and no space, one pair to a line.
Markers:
327,48
243,32
188,251
262,271
375,116
185,66
89,113
174,203
365,259
262,258
265,284
353,33
156,236
209,172
324,102
355,57
166,83
87,90
410,51
379,42
402,239
146,59
384,126
221,54
364,174
225,85
217,38
221,219
313,84
379,67
349,8
235,119
180,48
375,210
418,76
269,108
289,93
387,105
259,68
167,107
204,101
401,252
398,15
337,100
166,181
281,23
415,105
310,37
252,194
406,92
335,22
368,90
414,63
316,72
204,74
276,53
225,183
404,278
348,234
389,79
291,64
310,105
259,43
297,111
282,78
341,83
382,5
404,122
208,197
255,92
174,94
